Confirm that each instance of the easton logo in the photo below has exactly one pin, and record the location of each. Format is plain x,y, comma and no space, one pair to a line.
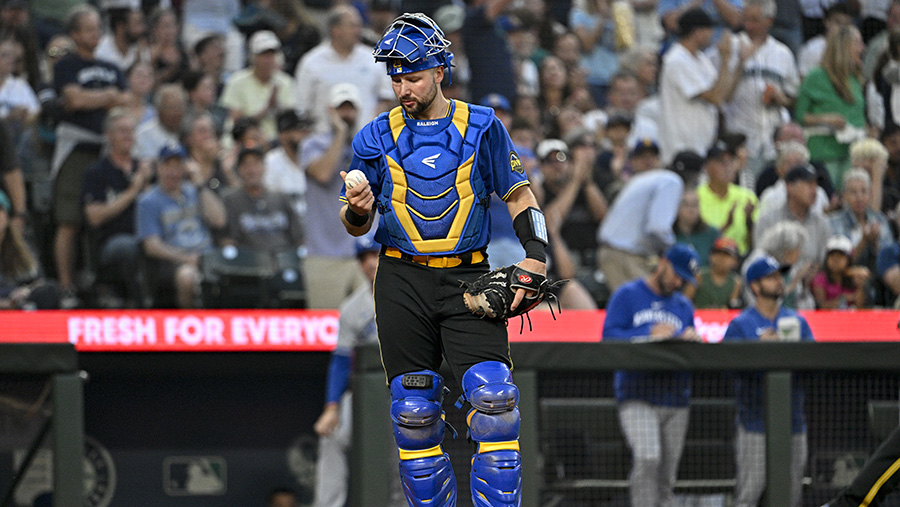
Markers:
429,161
524,278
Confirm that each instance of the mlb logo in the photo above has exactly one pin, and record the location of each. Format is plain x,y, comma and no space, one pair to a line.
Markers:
194,476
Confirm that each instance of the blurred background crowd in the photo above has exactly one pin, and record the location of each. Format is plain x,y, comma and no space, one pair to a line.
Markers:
185,153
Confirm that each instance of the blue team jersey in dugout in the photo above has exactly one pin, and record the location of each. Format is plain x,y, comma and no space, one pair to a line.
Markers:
432,179
749,387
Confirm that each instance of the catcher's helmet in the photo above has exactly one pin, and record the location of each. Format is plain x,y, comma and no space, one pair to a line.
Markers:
413,42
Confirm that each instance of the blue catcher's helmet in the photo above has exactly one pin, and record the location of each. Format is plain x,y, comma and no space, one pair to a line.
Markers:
413,42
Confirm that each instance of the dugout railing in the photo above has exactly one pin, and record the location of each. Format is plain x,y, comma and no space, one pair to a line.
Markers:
712,425
59,363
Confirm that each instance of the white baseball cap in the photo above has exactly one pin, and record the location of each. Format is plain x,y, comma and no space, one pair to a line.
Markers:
839,243
344,92
548,146
262,41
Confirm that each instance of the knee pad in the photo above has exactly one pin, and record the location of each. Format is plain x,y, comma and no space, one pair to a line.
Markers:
494,424
418,422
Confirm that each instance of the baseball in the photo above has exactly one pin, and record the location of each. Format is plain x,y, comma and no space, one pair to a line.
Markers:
355,177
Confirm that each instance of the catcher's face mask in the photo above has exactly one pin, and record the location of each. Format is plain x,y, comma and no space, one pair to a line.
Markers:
413,42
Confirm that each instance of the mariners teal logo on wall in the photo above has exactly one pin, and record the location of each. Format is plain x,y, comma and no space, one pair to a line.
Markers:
515,163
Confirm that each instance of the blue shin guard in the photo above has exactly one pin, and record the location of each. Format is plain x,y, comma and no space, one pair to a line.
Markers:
494,424
425,470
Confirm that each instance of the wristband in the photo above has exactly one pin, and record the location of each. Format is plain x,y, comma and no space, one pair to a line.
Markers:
354,219
532,233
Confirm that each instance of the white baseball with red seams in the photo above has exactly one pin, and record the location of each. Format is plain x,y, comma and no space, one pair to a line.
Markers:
354,178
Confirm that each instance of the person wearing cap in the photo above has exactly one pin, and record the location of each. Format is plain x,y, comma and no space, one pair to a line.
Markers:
653,407
723,204
340,58
765,320
840,284
334,426
638,224
431,165
500,105
258,218
789,155
283,171
329,265
691,88
175,219
111,188
722,14
718,284
262,89
800,207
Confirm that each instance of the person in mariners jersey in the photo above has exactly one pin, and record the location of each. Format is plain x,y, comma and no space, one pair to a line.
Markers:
432,165
653,406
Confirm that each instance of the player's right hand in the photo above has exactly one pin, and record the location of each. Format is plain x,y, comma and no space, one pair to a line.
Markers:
360,198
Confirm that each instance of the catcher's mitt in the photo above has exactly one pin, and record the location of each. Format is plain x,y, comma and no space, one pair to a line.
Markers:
491,294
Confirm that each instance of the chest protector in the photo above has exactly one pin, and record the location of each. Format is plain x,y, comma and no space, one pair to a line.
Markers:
433,198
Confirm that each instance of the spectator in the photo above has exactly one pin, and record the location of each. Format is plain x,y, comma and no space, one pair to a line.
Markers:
12,183
873,18
595,35
840,284
341,58
638,225
801,197
653,406
283,171
245,133
837,15
201,19
724,205
614,161
871,156
624,93
554,87
691,88
257,218
174,219
888,266
299,33
20,284
723,15
830,104
784,242
691,229
571,193
891,182
141,82
767,85
88,89
877,46
18,103
126,42
330,266
111,188
165,128
500,105
488,50
881,109
167,55
209,58
335,425
766,320
201,93
867,228
450,18
718,285
562,265
205,155
642,62
262,89
791,154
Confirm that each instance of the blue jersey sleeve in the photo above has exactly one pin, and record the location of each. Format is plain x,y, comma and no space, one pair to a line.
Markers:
507,171
338,377
806,334
735,331
618,323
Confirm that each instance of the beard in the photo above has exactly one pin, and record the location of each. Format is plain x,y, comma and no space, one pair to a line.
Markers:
421,105
773,294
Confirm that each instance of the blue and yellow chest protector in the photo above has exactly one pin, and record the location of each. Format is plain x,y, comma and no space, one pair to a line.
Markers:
431,194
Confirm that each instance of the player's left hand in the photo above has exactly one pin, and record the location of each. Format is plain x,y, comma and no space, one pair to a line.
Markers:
534,266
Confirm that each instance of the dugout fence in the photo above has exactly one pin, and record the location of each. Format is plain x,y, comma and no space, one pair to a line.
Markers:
573,451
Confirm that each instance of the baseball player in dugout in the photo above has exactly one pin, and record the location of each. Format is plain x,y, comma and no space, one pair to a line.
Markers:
428,168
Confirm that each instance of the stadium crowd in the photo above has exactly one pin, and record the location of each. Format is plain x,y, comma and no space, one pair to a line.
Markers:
146,144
